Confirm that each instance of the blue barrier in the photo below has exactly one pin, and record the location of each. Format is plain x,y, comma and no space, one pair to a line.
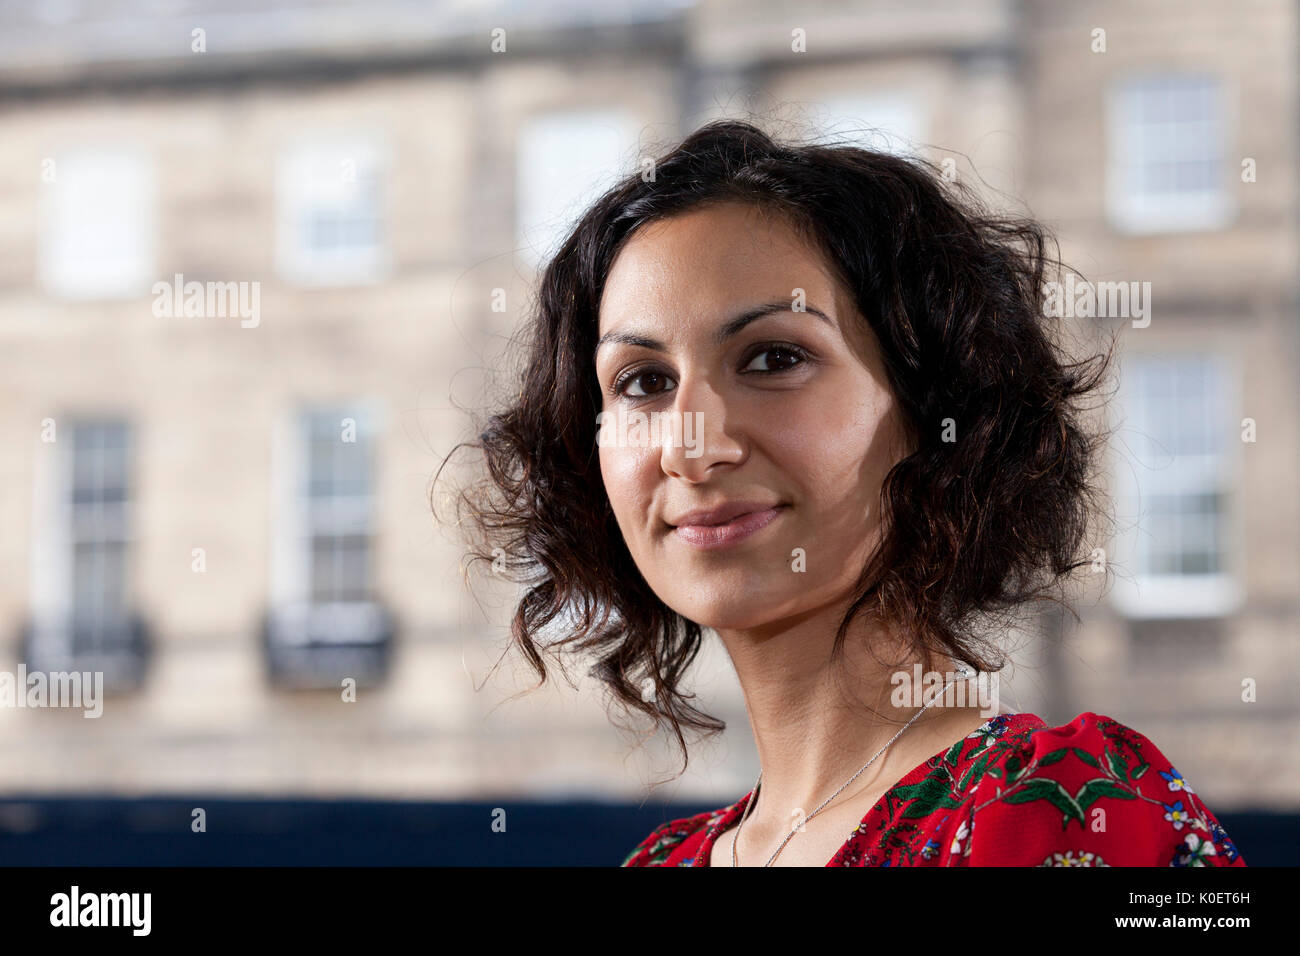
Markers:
113,831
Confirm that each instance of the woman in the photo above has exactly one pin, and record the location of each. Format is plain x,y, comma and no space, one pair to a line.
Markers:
806,397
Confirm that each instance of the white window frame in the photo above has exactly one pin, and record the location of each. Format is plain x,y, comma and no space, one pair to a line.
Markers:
98,238
53,554
322,175
564,160
1138,593
294,524
885,121
1133,144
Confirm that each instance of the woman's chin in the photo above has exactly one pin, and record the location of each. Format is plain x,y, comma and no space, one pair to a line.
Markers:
735,614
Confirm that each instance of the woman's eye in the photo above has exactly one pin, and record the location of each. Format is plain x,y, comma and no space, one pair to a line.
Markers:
627,384
646,383
782,350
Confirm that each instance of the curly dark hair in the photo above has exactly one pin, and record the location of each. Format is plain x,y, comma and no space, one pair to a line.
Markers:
972,529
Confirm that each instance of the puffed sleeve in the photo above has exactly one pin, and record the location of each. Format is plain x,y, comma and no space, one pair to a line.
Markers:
1092,792
672,843
660,841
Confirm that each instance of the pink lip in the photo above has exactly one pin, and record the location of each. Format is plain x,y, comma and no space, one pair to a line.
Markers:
711,537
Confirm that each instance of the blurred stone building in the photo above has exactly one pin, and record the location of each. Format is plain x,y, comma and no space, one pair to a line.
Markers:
225,509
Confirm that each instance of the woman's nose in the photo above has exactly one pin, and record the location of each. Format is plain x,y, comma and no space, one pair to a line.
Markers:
703,432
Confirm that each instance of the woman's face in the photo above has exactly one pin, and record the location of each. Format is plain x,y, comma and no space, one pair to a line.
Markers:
791,409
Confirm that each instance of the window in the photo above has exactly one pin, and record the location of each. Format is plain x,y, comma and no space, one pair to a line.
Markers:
1175,486
99,527
338,506
326,622
329,207
83,617
885,122
97,225
1166,154
565,161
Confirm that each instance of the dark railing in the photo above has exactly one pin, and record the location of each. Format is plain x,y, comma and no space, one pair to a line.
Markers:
157,832
316,646
119,646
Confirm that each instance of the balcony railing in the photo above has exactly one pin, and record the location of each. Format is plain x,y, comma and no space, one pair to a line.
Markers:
318,645
119,645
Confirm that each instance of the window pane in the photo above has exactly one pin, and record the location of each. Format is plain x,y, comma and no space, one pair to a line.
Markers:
330,209
565,160
1167,153
1176,407
340,568
97,237
99,519
99,580
884,122
339,503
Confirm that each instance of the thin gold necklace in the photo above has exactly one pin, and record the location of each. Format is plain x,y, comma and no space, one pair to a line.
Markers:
966,673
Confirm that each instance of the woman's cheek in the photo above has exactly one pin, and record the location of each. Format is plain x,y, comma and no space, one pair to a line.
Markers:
623,471
808,440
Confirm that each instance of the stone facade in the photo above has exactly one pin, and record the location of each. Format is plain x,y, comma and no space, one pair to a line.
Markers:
1013,93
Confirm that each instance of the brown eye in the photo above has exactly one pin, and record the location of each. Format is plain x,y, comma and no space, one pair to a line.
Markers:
791,358
652,383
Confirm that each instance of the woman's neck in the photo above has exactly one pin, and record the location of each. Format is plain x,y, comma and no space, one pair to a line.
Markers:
817,721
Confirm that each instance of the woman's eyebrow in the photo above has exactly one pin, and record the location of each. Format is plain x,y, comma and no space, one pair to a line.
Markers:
731,328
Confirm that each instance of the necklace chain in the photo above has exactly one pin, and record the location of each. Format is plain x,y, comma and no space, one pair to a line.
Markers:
966,673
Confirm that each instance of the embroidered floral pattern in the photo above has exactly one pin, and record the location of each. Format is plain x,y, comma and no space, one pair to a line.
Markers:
1015,792
1194,851
1074,858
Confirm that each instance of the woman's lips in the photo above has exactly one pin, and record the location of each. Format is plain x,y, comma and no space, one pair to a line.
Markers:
712,537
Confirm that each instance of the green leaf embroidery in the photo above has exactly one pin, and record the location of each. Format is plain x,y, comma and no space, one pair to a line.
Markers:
974,773
1052,792
927,788
1014,768
1086,757
930,794
953,753
1053,757
1101,787
1118,764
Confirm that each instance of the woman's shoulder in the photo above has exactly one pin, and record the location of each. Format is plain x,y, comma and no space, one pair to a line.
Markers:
675,842
1090,792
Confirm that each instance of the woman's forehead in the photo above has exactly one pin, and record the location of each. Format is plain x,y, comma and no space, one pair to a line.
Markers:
707,262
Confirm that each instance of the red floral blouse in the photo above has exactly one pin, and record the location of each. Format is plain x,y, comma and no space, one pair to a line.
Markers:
1016,792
